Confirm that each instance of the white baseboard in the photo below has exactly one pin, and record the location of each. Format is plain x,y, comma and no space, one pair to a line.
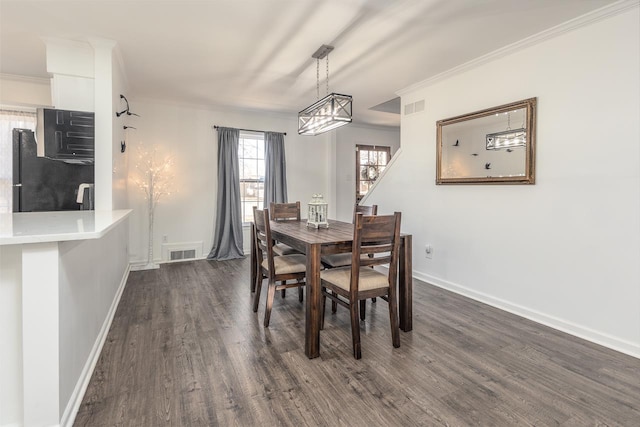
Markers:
70,412
614,343
142,265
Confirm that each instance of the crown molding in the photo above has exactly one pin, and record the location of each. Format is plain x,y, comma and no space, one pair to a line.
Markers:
26,79
568,26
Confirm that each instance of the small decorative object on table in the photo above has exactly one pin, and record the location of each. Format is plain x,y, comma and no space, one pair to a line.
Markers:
318,212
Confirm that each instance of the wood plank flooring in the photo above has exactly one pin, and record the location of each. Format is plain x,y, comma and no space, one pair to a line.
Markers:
185,349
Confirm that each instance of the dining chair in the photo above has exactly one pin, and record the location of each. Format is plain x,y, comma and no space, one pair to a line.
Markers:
285,212
276,269
378,236
344,259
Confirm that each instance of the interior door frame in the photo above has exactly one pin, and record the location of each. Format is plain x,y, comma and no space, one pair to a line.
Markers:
379,148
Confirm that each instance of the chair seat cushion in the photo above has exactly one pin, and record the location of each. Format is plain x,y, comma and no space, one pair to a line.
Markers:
282,249
288,264
337,260
369,278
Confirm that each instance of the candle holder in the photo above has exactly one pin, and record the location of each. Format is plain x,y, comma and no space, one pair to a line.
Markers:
318,212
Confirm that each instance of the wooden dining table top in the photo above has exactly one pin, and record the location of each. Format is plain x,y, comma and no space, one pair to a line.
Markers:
338,233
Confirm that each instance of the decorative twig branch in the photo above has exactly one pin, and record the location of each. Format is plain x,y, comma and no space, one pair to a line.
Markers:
156,182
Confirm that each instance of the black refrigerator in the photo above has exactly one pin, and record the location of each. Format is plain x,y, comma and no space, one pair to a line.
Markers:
43,184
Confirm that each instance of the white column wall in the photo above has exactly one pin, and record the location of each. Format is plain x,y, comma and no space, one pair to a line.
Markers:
564,251
40,335
104,117
11,389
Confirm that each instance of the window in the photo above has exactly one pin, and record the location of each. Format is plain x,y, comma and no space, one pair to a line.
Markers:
370,162
251,164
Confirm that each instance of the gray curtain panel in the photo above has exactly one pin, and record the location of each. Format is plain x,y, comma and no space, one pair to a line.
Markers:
227,240
275,180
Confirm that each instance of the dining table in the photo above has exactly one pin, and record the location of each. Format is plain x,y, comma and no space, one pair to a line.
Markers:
337,238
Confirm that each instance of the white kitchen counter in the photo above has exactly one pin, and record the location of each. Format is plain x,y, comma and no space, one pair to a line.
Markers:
61,277
41,227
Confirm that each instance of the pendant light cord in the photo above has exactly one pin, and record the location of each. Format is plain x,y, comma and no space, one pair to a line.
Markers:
327,73
318,78
326,56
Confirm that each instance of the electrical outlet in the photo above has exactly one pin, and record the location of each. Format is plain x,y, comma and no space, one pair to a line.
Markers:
165,239
428,251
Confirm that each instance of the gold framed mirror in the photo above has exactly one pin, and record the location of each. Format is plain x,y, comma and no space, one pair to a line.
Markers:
492,146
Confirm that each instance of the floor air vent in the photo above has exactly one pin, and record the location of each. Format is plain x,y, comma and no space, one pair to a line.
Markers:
176,255
181,251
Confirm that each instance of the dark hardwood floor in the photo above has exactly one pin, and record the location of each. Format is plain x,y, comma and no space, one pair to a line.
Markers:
185,349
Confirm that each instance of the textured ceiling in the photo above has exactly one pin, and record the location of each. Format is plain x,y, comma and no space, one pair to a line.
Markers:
256,54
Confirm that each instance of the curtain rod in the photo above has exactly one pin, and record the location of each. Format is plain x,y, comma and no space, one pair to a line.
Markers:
248,130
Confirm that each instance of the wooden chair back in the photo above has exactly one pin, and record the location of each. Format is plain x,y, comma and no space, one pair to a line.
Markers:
344,259
378,238
285,211
364,210
264,243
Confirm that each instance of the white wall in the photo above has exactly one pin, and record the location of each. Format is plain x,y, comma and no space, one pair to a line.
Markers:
344,156
119,160
24,91
564,251
11,389
186,132
104,123
92,275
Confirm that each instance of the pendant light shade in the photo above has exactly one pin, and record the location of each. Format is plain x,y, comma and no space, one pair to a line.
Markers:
507,139
510,138
332,111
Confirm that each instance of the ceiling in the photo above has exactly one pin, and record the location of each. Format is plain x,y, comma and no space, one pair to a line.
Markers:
256,54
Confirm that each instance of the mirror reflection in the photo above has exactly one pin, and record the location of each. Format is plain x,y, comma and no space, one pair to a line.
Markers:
490,146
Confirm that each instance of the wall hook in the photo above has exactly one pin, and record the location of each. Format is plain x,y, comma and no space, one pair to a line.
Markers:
123,146
126,110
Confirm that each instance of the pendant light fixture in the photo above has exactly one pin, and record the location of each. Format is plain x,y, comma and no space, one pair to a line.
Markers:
510,138
330,112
